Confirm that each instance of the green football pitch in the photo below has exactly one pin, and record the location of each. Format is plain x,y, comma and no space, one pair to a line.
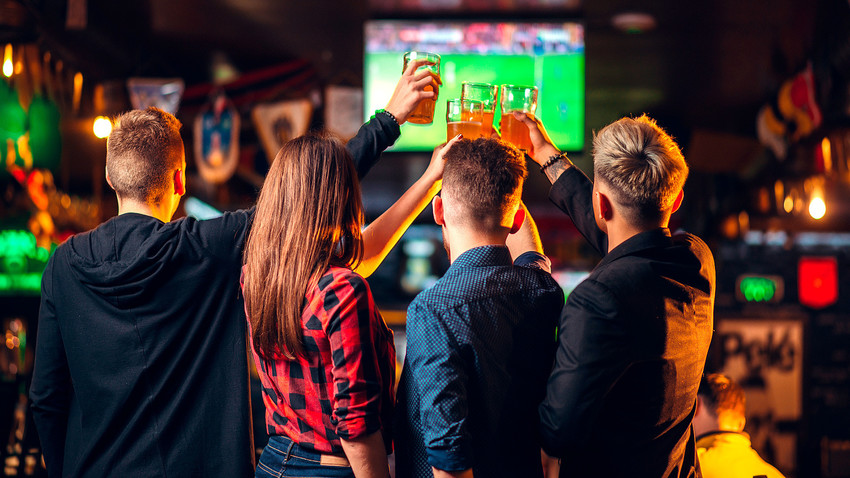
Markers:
560,101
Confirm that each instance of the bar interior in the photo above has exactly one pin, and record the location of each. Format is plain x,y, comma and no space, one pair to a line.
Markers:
757,94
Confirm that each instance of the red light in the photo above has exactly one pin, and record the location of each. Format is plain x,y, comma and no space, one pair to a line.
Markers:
817,281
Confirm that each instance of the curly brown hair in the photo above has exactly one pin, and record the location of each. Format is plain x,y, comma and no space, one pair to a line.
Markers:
484,178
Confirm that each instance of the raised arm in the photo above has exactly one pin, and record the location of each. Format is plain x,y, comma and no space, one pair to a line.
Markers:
382,130
571,189
526,239
544,148
385,231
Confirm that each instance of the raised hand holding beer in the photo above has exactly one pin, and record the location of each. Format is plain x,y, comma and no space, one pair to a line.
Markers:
423,113
414,87
541,143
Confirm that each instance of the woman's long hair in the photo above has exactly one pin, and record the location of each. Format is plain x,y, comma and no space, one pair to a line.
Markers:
308,218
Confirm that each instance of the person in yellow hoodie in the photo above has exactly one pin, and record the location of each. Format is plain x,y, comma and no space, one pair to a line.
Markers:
723,449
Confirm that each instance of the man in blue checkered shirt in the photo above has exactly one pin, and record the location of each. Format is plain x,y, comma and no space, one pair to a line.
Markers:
480,343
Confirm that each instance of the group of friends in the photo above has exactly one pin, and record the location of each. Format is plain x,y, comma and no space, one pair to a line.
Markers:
142,350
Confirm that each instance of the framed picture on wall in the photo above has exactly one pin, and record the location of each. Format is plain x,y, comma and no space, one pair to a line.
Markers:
765,356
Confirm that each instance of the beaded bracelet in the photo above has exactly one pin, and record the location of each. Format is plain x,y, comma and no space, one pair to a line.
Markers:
388,114
552,160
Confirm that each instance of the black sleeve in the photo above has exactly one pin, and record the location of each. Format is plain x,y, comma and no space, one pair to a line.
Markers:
378,134
573,194
591,355
225,235
51,389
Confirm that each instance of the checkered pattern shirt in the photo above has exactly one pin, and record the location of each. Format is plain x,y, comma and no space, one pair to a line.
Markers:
342,387
480,345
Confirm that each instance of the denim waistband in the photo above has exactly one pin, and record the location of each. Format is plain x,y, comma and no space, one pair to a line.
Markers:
284,445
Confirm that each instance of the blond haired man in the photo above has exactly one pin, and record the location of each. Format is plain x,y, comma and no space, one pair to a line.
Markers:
633,336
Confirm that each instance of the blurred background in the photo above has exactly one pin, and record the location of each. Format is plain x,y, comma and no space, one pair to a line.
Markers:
757,93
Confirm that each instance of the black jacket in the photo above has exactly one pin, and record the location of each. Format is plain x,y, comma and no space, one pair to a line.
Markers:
632,344
141,364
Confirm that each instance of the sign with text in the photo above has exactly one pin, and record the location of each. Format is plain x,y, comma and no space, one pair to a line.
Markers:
765,357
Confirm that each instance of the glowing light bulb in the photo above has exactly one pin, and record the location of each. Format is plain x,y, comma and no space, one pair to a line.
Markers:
788,204
826,151
102,127
8,67
817,208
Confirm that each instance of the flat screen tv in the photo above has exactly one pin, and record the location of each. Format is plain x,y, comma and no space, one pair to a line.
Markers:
543,54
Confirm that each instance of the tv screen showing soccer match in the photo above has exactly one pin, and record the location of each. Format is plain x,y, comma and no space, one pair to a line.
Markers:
549,56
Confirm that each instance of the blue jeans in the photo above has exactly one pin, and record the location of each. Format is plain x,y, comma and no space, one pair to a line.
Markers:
284,458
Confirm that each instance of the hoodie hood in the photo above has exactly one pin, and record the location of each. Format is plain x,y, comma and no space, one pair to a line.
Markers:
124,254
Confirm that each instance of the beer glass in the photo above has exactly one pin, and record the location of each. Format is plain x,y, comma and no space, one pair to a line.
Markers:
424,111
524,100
463,117
486,94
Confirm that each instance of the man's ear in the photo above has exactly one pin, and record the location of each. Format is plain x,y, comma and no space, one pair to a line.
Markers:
179,182
109,181
437,207
606,211
678,201
519,217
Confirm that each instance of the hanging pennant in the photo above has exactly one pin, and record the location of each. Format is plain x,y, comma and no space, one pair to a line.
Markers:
343,110
217,139
44,118
277,123
13,127
77,15
163,93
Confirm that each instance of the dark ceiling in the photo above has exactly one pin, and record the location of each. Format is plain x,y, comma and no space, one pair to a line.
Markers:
704,71
708,64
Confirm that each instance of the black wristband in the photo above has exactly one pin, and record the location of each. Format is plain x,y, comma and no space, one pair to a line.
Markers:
392,117
552,160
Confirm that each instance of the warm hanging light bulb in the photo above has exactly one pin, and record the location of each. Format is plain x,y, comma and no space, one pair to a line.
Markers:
817,207
788,204
8,67
826,151
102,127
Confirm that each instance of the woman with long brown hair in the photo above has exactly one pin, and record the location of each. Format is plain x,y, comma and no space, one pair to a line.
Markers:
324,354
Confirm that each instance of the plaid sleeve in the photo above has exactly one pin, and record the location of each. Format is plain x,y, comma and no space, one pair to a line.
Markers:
351,330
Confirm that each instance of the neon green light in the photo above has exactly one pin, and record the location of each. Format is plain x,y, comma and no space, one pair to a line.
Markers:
758,289
30,281
20,243
21,262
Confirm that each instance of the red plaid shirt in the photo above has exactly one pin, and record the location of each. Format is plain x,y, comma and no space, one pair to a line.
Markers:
342,387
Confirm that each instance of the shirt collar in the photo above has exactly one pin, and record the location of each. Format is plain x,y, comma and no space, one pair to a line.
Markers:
707,440
483,256
645,240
